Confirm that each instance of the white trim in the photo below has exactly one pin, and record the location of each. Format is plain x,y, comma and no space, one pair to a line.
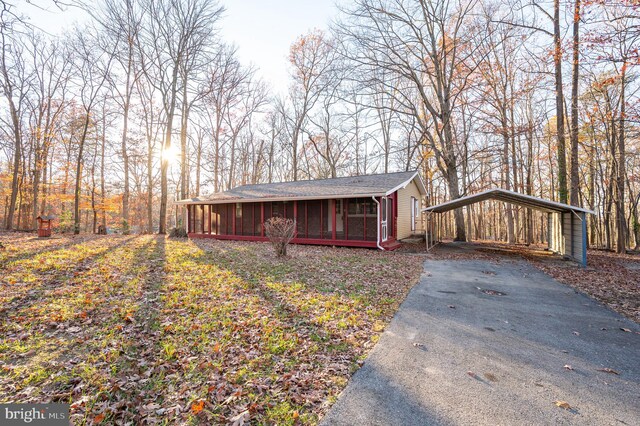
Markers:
403,185
377,223
384,219
414,213
271,200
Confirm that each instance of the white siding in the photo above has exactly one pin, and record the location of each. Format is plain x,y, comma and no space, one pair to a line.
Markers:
404,211
567,233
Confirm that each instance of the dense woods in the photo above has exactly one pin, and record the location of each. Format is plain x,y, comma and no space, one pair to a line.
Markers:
145,103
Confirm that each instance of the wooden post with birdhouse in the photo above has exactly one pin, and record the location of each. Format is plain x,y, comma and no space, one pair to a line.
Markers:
44,225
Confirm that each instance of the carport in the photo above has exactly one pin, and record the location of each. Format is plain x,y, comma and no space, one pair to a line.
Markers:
567,225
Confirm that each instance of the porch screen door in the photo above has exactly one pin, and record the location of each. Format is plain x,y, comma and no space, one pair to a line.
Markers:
383,221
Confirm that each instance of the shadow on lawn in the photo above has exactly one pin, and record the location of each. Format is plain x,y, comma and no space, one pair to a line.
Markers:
330,346
265,270
74,355
134,370
101,369
48,245
23,302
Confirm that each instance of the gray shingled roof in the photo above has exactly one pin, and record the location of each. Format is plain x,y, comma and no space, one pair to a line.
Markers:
368,185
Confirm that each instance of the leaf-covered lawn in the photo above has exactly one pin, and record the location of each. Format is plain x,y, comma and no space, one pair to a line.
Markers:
145,329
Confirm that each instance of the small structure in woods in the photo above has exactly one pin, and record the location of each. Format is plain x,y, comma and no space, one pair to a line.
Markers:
567,225
359,211
44,225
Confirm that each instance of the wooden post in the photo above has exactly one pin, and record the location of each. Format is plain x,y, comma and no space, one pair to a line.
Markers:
233,219
321,216
345,222
333,221
364,223
306,219
262,219
295,217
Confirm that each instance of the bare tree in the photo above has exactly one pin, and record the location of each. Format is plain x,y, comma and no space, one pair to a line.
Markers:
121,21
425,46
175,31
14,84
91,66
311,58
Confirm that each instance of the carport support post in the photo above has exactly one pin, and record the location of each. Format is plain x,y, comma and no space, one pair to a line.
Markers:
428,230
549,230
583,233
583,218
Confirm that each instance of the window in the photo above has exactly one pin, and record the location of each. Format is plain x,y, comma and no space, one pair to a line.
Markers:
358,207
383,207
414,212
197,219
238,210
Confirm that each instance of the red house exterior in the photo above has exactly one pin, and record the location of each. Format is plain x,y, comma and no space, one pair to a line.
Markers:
360,211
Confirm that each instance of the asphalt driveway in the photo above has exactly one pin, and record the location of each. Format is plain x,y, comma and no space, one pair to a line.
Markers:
479,342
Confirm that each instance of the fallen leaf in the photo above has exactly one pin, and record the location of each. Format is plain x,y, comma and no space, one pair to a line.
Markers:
196,407
568,367
99,418
240,419
576,333
563,404
626,330
491,377
608,370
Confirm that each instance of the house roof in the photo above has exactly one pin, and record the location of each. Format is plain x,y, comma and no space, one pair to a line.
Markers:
343,187
509,197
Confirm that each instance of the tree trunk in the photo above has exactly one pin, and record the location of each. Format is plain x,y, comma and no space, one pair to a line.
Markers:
183,142
557,59
621,177
125,158
76,199
149,183
102,182
575,178
164,164
17,154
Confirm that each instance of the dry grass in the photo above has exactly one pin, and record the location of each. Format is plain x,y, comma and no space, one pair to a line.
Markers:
143,329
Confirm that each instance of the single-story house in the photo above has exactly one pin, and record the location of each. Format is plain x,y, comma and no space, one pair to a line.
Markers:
360,211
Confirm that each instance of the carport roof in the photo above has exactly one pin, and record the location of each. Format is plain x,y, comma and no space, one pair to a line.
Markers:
508,197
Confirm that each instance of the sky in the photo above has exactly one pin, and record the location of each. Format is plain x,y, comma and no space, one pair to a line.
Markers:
263,30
